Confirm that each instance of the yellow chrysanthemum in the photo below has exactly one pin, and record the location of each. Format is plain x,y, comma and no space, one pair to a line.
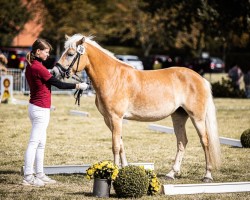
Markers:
153,184
88,177
95,166
110,166
103,169
156,188
113,177
90,172
99,167
115,172
153,180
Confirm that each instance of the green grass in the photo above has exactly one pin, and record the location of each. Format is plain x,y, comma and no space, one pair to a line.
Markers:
84,140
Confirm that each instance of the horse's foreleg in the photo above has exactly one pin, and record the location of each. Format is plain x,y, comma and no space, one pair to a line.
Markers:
124,161
179,121
117,143
116,148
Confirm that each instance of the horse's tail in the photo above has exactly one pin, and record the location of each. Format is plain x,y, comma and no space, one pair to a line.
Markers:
212,132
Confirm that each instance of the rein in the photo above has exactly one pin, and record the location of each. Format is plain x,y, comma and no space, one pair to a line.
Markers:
78,92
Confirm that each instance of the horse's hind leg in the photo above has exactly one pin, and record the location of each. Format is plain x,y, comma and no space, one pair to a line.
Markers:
201,129
179,119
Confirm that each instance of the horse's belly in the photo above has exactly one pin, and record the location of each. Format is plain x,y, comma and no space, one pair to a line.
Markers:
143,118
149,114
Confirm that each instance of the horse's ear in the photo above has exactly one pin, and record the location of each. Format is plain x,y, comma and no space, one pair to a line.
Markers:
81,41
67,37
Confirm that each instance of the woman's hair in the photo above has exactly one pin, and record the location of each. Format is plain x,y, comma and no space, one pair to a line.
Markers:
38,44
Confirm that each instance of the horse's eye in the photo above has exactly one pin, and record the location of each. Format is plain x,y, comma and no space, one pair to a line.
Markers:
70,54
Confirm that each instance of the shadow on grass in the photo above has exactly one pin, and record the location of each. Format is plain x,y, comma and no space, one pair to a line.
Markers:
163,176
234,147
68,174
9,172
89,194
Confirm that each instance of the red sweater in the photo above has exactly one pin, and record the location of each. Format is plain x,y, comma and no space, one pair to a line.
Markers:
40,91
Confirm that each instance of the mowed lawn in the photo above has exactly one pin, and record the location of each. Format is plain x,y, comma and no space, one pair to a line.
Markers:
76,140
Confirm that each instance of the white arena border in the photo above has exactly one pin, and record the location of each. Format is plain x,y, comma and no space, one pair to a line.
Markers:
160,128
79,169
203,188
79,113
165,129
229,141
26,103
20,102
206,188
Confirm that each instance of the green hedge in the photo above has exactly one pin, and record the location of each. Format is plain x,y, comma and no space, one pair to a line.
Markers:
225,89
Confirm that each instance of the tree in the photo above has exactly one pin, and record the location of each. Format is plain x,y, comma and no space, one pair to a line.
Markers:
217,25
233,23
158,24
128,20
194,25
68,18
13,16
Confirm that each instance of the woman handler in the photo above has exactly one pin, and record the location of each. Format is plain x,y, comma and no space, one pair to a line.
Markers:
40,81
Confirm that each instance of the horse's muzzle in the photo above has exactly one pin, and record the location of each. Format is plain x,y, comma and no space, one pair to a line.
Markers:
60,72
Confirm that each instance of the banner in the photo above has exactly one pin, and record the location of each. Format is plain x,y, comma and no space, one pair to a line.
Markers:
6,88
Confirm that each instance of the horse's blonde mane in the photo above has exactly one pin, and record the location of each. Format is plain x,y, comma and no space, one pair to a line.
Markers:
71,43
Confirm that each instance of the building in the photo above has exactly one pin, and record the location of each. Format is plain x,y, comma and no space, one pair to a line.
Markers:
31,31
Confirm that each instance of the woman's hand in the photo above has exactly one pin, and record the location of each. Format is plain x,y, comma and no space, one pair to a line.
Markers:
82,86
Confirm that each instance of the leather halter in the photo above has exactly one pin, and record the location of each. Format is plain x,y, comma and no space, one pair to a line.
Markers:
65,73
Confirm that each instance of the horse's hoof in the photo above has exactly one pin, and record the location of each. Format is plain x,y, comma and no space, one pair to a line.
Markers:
207,180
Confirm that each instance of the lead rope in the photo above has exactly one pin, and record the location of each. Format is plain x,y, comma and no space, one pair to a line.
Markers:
78,92
77,95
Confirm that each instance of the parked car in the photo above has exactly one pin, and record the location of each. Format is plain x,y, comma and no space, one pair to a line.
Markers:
165,61
216,64
132,60
211,64
158,61
16,57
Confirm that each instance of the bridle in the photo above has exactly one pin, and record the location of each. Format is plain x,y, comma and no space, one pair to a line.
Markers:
65,73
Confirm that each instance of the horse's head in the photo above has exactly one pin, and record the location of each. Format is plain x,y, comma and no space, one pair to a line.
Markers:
73,59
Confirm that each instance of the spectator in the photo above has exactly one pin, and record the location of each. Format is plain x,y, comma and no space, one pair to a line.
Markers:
247,83
235,74
3,62
157,63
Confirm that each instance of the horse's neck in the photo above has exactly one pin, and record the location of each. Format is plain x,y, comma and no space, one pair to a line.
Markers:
102,66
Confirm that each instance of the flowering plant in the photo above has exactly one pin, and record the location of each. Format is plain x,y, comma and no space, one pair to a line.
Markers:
154,184
103,169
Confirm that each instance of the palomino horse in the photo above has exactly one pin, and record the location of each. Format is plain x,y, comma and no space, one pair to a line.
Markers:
123,92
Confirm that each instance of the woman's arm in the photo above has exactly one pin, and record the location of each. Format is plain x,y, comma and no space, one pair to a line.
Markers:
61,85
